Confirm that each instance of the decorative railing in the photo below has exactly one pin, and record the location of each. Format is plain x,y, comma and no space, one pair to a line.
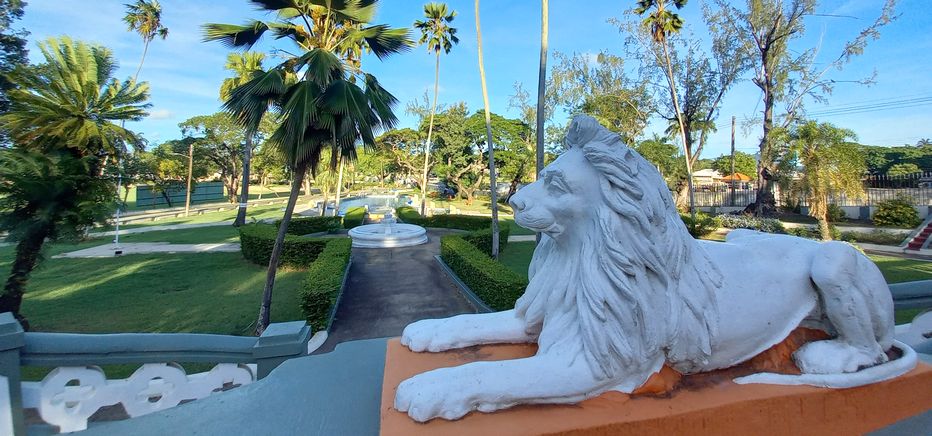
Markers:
77,387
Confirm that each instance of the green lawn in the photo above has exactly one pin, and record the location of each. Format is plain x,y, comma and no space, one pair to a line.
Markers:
256,192
257,213
196,292
517,257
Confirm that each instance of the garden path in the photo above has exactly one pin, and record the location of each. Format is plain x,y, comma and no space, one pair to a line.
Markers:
388,288
109,250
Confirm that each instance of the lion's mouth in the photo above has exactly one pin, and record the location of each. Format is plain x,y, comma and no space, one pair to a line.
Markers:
540,225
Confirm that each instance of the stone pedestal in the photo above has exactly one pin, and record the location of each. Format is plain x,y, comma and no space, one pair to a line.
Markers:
705,404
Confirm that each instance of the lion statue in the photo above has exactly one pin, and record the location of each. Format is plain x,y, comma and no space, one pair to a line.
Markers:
618,289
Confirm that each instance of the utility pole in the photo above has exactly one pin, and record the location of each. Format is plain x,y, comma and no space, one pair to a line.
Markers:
732,160
187,198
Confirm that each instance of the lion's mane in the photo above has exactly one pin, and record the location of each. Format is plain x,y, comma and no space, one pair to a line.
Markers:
642,287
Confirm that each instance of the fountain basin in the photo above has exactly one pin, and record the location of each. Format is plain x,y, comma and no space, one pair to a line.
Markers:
387,235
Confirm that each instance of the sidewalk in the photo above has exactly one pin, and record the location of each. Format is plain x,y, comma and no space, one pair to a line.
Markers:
109,250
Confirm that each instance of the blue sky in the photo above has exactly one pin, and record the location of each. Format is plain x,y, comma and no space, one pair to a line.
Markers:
185,73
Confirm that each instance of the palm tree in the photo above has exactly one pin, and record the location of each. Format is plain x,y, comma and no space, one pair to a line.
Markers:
542,88
62,120
493,188
145,18
662,23
439,35
246,66
315,93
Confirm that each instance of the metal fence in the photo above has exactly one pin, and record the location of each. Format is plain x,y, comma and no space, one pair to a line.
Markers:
917,187
203,192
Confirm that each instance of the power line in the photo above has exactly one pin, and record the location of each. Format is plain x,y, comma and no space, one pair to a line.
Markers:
875,107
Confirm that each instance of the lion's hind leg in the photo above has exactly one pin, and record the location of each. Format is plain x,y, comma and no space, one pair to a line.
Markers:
854,302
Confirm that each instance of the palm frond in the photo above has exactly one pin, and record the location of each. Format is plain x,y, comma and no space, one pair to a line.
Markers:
233,36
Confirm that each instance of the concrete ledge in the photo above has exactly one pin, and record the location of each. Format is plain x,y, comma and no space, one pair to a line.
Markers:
468,293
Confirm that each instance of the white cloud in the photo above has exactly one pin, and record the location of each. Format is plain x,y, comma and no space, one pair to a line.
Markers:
161,114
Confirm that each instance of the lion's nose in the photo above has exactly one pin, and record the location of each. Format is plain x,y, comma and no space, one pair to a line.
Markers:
517,204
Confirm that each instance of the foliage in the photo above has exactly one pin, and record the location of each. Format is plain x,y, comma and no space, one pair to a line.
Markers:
602,89
257,241
13,51
482,239
448,221
704,224
354,217
219,140
323,282
896,212
880,160
73,101
497,286
835,213
744,163
145,17
810,233
831,166
313,224
903,169
881,237
745,221
664,155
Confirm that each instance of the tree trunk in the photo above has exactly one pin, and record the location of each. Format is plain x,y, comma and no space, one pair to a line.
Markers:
825,229
430,131
168,199
765,203
27,256
336,201
493,191
265,310
679,119
244,195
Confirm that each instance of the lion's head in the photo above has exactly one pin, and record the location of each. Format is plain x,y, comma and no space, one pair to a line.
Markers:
617,253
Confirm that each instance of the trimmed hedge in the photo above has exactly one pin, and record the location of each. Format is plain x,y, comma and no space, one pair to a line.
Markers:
768,225
257,241
704,224
323,281
312,224
496,285
463,222
482,239
354,217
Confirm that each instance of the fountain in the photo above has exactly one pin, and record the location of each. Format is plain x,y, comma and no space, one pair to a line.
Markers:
388,233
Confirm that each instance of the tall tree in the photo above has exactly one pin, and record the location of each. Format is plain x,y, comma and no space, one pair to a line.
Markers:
245,66
439,36
832,165
662,23
702,77
145,18
13,52
766,28
493,187
62,120
315,92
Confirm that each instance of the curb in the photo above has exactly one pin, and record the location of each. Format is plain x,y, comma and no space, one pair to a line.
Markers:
480,306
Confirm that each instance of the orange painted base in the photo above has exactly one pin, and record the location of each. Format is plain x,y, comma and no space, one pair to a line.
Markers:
705,405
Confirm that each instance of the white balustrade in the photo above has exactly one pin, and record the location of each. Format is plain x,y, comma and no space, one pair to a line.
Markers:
68,396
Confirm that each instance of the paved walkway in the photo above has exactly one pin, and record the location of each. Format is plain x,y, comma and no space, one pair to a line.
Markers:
109,250
388,288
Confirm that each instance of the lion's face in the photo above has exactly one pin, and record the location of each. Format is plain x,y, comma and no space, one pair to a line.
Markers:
563,201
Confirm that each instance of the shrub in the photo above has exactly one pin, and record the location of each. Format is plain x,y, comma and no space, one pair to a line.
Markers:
323,281
313,224
482,239
463,222
257,241
354,217
704,224
751,222
814,233
896,212
836,214
881,237
497,286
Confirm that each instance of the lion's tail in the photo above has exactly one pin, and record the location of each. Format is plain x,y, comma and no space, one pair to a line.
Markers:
885,371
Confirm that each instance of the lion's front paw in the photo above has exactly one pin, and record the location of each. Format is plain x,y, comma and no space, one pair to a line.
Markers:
436,394
429,335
